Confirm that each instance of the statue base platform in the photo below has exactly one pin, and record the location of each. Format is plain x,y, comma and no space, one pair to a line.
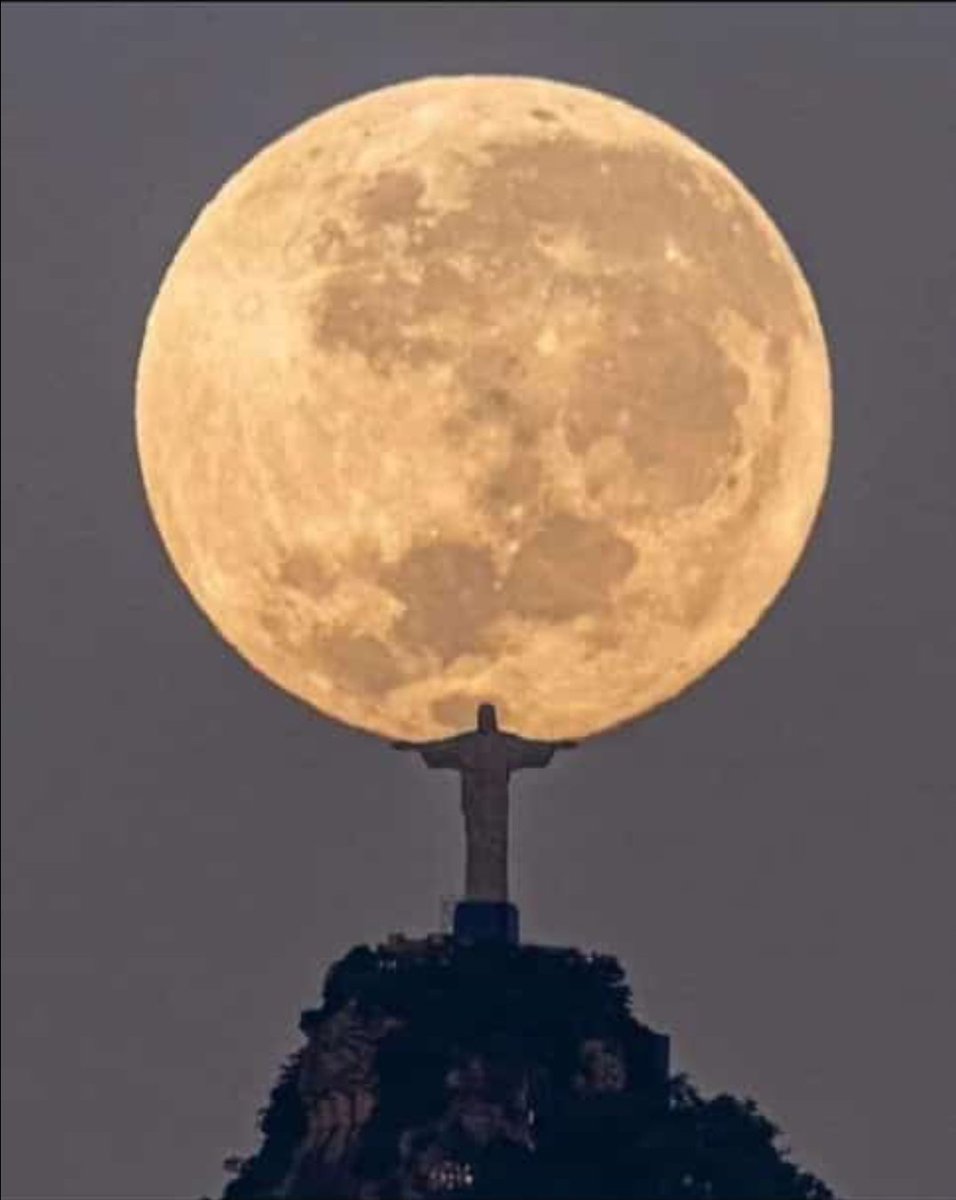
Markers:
486,921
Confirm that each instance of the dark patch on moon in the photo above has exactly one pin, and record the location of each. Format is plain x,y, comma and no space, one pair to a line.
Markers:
356,662
495,371
459,710
392,199
568,567
666,389
276,625
446,291
627,204
451,598
370,315
304,572
494,379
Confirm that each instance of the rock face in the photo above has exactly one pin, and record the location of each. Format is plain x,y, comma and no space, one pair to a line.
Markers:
436,1069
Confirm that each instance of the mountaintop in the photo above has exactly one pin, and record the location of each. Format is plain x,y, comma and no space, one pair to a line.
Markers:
438,1069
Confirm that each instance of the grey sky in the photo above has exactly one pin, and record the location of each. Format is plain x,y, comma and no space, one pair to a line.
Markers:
187,848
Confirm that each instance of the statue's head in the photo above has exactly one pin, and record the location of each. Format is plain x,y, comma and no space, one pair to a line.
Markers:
487,719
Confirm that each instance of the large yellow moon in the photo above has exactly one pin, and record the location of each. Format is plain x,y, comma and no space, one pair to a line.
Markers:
484,388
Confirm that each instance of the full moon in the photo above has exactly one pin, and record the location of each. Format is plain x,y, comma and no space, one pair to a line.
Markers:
484,389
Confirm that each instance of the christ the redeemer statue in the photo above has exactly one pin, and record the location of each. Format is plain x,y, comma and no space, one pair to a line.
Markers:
485,758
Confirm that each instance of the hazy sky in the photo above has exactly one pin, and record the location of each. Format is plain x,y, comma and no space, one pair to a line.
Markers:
187,848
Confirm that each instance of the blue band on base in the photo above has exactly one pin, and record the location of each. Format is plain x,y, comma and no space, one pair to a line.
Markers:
486,921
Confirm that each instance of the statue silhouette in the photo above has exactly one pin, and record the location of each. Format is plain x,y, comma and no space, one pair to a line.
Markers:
485,757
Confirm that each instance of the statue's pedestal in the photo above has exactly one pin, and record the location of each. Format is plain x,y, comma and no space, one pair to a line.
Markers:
486,921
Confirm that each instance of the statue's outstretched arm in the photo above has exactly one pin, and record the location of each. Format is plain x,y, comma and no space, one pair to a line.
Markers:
443,753
523,752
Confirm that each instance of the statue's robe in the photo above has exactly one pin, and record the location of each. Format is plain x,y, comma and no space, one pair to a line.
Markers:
486,761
